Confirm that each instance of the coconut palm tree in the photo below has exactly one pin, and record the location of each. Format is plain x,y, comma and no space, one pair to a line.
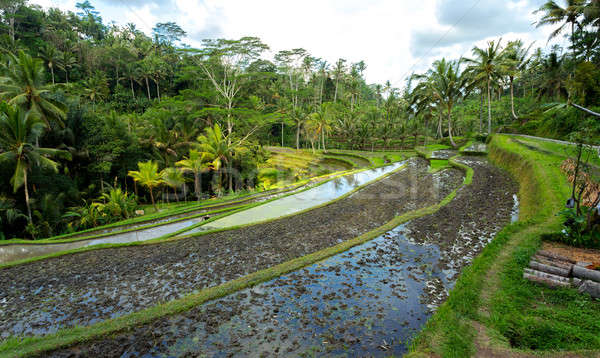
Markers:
554,14
213,144
50,55
95,88
66,62
487,65
24,85
449,86
173,177
19,131
516,61
149,176
196,163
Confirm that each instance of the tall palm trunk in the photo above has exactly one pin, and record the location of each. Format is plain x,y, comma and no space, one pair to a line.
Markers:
439,128
132,91
27,196
512,97
298,137
152,198
148,87
157,90
197,185
52,72
481,112
450,126
489,98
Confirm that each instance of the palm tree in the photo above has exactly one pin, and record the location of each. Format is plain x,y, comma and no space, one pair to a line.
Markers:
555,14
96,88
149,176
66,63
449,87
516,62
50,55
173,177
24,85
19,131
196,162
487,66
215,146
131,72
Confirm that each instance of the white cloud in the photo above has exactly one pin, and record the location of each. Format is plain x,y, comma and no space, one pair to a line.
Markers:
393,37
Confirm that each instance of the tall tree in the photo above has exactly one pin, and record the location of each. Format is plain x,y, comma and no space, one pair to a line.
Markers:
24,85
487,65
554,14
516,61
224,62
19,131
50,55
149,176
197,162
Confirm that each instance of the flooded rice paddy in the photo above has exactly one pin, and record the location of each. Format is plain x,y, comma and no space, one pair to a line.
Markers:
298,202
368,301
83,288
284,206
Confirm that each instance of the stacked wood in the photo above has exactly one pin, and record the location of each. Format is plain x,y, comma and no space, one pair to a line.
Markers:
546,278
556,270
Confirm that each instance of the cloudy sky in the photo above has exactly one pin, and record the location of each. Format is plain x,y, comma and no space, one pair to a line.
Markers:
394,37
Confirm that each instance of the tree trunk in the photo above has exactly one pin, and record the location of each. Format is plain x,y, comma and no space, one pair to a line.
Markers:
152,198
481,113
157,90
148,87
450,126
52,72
489,106
230,175
197,185
282,134
337,82
132,91
439,129
512,98
27,196
298,137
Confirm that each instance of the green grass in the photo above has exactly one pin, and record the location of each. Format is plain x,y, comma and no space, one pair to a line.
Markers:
514,310
427,151
438,164
17,347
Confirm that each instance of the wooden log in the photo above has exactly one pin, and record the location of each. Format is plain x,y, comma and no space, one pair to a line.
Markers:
583,273
554,256
559,271
545,260
590,287
545,281
546,278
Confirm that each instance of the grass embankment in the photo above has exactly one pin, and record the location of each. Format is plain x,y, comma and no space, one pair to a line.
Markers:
518,316
71,336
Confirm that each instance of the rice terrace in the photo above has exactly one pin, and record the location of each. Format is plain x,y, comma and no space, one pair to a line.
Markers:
299,179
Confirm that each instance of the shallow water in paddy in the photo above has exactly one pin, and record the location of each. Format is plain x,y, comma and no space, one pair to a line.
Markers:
300,201
277,208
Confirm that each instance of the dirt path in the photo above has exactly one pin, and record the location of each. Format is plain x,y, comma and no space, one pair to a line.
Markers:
368,301
84,288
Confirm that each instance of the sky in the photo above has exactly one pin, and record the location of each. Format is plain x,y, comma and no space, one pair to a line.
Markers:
394,37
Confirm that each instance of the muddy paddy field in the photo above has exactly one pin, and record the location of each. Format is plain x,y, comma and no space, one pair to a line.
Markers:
85,288
368,301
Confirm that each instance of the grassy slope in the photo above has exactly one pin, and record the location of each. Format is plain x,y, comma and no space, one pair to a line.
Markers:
492,291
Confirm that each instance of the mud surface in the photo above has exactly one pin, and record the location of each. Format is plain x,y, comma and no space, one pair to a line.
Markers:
368,301
84,288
